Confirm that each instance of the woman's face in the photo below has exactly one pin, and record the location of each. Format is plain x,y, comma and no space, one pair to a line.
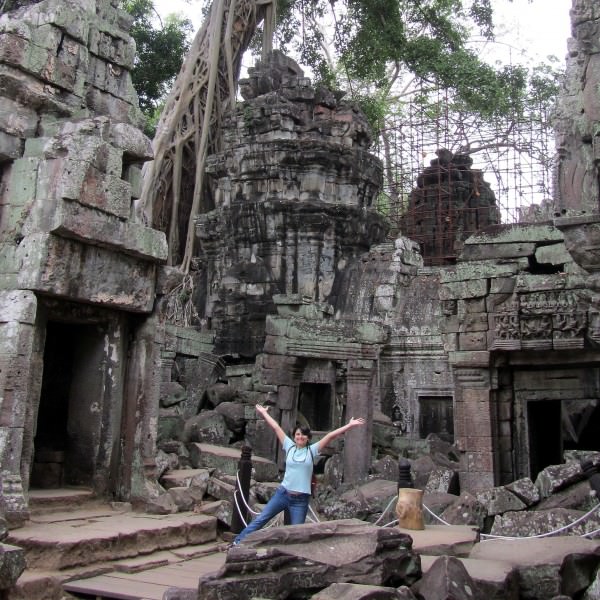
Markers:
300,439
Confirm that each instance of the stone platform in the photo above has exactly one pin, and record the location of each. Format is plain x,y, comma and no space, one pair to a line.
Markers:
97,551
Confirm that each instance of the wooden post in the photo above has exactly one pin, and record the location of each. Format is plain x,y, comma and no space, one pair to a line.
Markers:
409,509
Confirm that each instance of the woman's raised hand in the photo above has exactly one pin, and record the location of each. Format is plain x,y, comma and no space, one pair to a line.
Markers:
355,422
263,410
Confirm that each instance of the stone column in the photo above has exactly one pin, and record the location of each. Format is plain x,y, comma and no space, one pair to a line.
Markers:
140,413
474,426
358,441
21,367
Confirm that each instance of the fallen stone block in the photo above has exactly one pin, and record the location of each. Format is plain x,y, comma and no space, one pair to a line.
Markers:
355,591
12,564
311,557
447,579
547,567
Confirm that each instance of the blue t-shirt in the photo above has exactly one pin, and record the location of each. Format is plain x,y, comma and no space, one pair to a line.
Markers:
298,466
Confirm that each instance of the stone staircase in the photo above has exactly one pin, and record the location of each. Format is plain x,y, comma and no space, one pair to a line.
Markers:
72,537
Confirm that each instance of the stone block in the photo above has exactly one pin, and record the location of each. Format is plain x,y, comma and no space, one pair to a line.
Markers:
285,397
517,233
11,147
502,285
472,341
526,282
131,141
556,254
494,250
8,261
276,345
22,182
132,174
17,305
70,16
17,119
110,78
81,223
469,359
118,109
474,322
482,270
53,265
464,289
450,342
112,45
12,564
276,326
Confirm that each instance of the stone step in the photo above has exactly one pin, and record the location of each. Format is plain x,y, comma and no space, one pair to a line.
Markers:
42,584
60,499
82,538
150,584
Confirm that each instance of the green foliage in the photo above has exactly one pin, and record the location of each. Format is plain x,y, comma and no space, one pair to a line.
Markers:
159,56
378,43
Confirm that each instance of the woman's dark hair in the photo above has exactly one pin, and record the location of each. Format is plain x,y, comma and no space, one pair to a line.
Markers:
303,430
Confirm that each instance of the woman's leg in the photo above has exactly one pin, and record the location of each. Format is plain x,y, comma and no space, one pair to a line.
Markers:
277,503
297,508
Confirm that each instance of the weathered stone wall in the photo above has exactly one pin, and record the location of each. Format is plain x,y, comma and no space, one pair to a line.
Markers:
578,115
516,302
389,285
71,153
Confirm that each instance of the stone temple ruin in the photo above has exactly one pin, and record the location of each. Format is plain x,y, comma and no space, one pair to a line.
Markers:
300,301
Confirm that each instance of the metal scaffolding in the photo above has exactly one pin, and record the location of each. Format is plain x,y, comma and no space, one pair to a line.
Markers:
514,156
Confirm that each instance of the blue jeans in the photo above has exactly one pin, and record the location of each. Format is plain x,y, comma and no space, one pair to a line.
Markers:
295,504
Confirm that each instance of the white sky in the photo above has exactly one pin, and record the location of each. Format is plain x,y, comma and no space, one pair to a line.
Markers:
537,29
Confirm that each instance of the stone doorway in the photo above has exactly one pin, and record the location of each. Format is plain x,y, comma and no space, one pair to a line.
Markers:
436,415
314,406
545,439
69,417
556,410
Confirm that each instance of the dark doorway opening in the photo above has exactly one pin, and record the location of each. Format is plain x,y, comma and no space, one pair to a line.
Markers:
436,415
314,406
545,437
581,424
70,409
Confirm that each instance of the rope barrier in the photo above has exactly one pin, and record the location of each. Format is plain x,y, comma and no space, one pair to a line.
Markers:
390,523
313,513
488,536
394,499
492,537
434,515
594,532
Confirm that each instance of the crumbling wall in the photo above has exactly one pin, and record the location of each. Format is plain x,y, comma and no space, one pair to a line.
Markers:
71,152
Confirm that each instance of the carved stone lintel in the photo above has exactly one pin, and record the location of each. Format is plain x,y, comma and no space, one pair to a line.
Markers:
507,332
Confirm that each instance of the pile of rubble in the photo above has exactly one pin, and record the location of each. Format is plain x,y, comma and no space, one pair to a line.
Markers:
202,465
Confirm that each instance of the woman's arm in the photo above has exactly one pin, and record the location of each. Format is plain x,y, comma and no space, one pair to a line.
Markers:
339,431
263,411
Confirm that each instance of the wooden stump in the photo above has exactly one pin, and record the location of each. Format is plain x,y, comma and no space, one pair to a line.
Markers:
409,509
